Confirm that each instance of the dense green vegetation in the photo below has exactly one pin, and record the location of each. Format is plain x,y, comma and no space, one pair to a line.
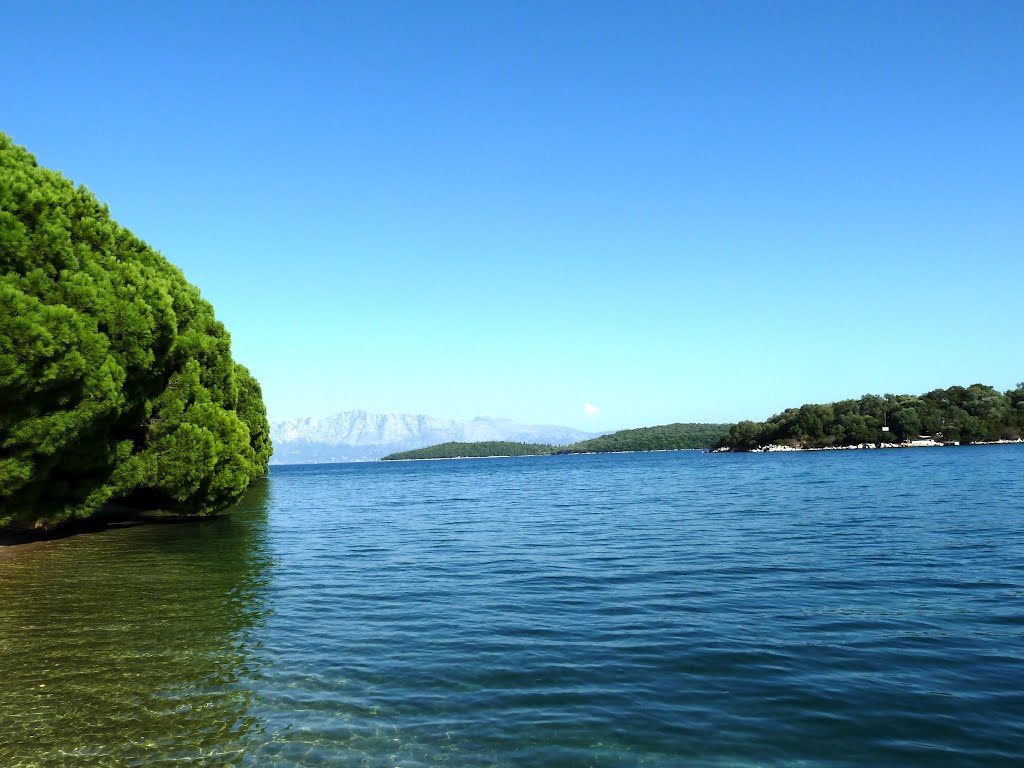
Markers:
116,380
964,414
473,450
668,437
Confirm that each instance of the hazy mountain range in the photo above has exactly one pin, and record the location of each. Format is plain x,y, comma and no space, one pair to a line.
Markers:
365,436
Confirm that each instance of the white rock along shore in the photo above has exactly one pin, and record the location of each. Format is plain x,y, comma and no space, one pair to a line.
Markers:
864,446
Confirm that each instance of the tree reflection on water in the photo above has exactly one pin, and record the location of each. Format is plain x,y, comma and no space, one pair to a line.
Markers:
132,646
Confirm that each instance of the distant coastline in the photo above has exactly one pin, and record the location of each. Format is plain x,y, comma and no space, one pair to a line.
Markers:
764,449
864,446
978,414
666,437
535,455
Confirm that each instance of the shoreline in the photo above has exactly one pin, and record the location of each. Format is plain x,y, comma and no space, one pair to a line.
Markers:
14,541
520,456
868,446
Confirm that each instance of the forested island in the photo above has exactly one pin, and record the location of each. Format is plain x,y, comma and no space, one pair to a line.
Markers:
973,414
667,437
480,450
116,379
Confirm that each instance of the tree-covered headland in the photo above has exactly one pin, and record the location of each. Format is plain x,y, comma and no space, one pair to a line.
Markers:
116,380
478,450
977,413
667,437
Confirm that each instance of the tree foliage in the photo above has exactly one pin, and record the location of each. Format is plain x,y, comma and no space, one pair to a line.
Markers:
116,379
666,437
971,414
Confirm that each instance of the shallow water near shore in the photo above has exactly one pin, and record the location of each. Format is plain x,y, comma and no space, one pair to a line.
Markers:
810,609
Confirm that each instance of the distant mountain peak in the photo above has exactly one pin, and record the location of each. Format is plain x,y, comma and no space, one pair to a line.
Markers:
360,435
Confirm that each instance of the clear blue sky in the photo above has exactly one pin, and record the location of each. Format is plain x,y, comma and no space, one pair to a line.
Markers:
671,211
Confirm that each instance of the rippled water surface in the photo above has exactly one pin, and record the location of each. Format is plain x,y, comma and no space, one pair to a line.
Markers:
672,609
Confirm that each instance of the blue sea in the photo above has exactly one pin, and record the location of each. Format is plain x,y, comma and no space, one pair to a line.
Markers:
848,608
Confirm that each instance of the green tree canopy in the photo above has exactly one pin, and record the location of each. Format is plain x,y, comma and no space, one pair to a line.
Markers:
664,437
116,379
965,414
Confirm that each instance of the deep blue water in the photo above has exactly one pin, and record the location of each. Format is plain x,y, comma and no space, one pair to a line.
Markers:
668,609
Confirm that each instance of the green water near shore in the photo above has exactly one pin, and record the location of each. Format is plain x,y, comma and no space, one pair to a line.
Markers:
126,646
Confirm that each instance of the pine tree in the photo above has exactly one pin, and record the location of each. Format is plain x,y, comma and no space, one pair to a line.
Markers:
116,379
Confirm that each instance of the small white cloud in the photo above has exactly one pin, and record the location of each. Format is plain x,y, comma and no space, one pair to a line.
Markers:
590,409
